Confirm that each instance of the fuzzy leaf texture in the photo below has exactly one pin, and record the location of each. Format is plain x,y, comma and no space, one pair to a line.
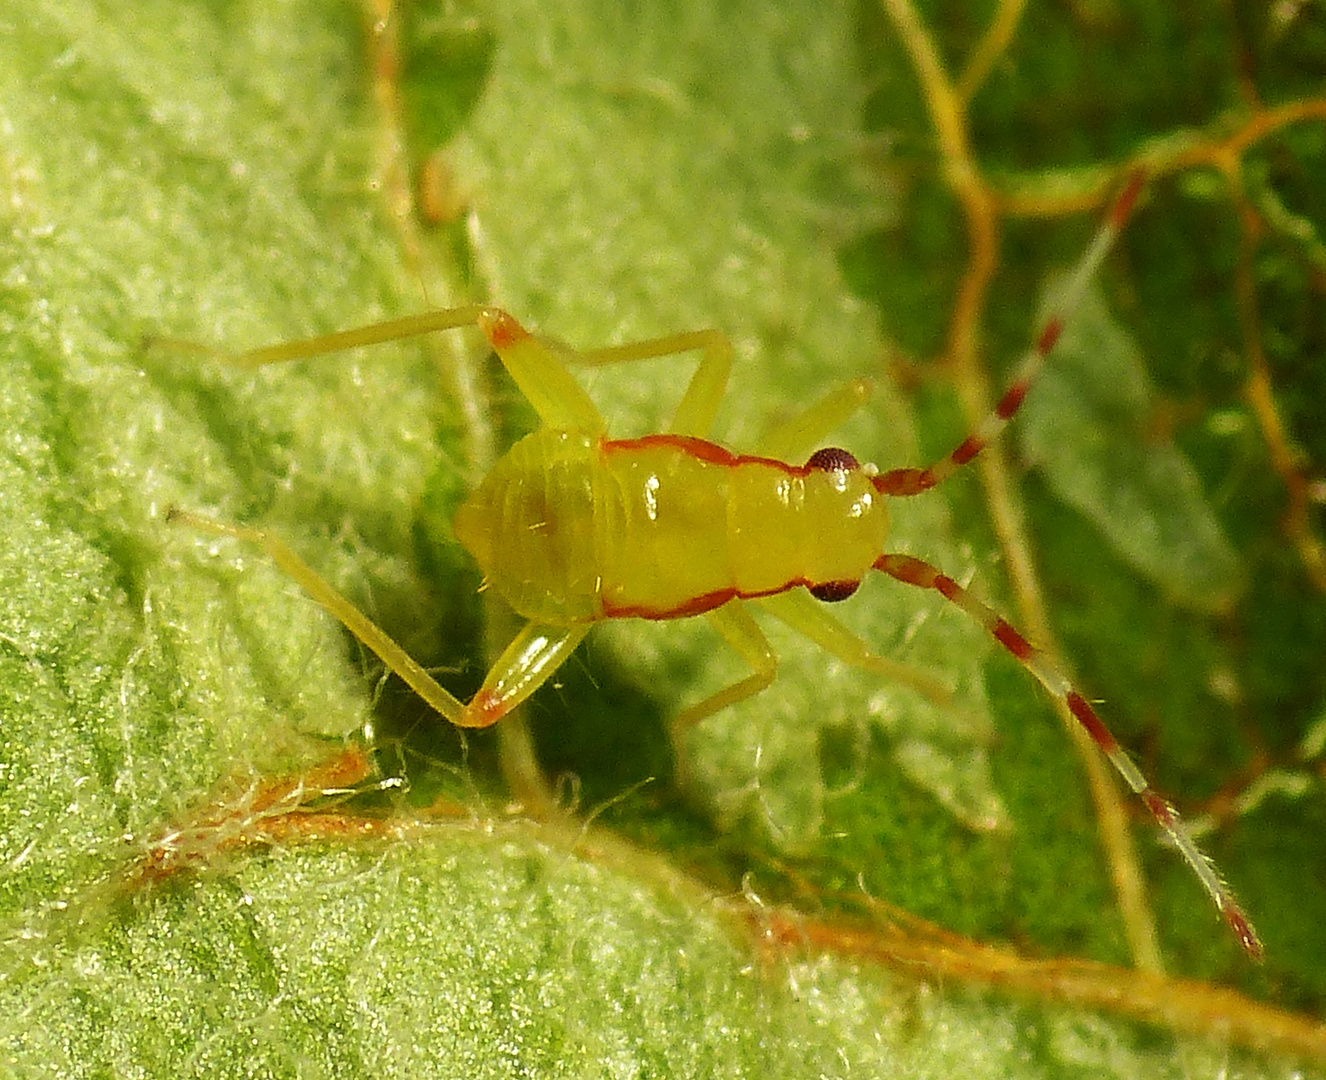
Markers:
219,175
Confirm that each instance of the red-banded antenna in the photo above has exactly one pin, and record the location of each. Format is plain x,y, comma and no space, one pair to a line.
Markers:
920,574
914,481
915,572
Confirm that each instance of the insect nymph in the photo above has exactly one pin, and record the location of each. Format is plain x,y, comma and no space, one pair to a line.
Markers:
573,527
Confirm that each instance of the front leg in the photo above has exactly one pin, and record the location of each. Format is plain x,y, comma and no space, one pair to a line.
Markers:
534,363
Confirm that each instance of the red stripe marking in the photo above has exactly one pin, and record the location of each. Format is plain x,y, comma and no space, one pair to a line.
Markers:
701,450
1163,812
947,587
485,709
1014,642
500,328
971,446
1087,717
1123,207
700,604
1012,400
1238,922
1049,335
904,481
906,569
697,605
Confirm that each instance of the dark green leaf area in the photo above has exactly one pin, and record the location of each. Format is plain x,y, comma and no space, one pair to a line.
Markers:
446,57
1280,638
1082,84
1284,831
1161,673
911,273
602,731
1059,895
1085,426
1077,85
1283,49
1194,698
1177,261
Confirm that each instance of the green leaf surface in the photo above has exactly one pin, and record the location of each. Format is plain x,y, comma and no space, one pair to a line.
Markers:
214,173
1085,427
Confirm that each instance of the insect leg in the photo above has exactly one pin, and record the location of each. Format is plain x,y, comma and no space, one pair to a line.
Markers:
915,572
525,665
739,630
810,618
373,334
704,393
536,365
795,438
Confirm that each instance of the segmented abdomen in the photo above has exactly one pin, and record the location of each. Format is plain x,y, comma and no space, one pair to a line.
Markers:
531,527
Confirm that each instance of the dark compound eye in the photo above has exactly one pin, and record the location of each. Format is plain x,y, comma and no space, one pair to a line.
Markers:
832,459
833,591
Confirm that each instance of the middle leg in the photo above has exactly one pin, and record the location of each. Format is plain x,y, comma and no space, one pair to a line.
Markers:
799,610
704,393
